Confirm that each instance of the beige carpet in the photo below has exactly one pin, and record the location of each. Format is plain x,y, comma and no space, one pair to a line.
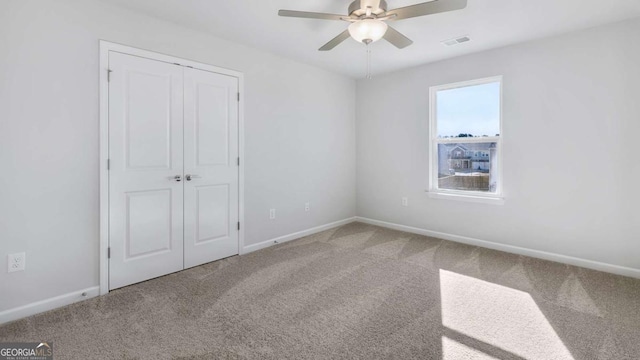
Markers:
355,292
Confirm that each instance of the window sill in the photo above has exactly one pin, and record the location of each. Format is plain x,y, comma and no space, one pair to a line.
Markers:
467,198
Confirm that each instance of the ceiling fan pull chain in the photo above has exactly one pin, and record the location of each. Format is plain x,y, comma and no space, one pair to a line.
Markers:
368,62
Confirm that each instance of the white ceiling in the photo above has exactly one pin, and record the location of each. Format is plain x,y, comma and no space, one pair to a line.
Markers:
490,24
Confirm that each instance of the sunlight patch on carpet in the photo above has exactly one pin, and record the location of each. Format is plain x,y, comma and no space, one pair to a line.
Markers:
453,350
499,316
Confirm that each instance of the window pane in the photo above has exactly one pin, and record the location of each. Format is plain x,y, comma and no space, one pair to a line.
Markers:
469,111
468,166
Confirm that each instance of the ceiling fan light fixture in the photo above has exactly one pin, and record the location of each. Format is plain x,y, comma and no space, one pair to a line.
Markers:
368,30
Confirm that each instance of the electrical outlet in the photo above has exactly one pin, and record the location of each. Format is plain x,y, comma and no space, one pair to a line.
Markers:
16,262
307,206
272,214
405,201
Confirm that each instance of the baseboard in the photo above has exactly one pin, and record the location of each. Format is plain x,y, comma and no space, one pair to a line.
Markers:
589,264
48,304
261,245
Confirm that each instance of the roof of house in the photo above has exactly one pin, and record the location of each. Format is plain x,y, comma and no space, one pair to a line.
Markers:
471,146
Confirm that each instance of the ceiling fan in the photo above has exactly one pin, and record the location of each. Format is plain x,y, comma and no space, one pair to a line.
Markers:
367,18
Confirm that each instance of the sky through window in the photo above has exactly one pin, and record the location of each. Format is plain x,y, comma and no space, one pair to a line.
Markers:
471,110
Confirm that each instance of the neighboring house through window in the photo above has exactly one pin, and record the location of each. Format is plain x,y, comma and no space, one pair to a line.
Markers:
466,139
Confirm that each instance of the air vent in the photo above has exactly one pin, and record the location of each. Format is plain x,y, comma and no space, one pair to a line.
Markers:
456,41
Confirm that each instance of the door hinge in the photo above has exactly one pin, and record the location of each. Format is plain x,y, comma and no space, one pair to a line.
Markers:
109,252
238,96
238,225
108,164
109,71
238,161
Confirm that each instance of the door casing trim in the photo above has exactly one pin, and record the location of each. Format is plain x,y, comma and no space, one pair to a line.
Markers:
105,48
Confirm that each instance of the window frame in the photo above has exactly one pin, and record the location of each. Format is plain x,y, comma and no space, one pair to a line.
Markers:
472,196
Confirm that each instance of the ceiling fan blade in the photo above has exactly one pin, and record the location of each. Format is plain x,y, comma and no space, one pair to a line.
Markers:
335,41
310,15
396,38
428,8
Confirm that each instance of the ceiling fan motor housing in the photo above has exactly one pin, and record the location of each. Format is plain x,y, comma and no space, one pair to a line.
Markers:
359,7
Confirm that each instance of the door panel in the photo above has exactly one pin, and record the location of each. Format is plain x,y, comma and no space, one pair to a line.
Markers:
212,213
212,125
145,152
148,223
211,149
147,126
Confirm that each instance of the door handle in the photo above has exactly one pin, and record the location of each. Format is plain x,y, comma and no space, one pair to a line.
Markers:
189,177
177,178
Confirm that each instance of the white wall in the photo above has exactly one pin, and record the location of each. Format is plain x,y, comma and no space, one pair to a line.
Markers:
571,129
299,131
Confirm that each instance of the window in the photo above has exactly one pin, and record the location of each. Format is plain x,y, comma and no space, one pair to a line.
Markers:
466,140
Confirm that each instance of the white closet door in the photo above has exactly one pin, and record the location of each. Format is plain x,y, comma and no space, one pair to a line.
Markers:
146,155
210,166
